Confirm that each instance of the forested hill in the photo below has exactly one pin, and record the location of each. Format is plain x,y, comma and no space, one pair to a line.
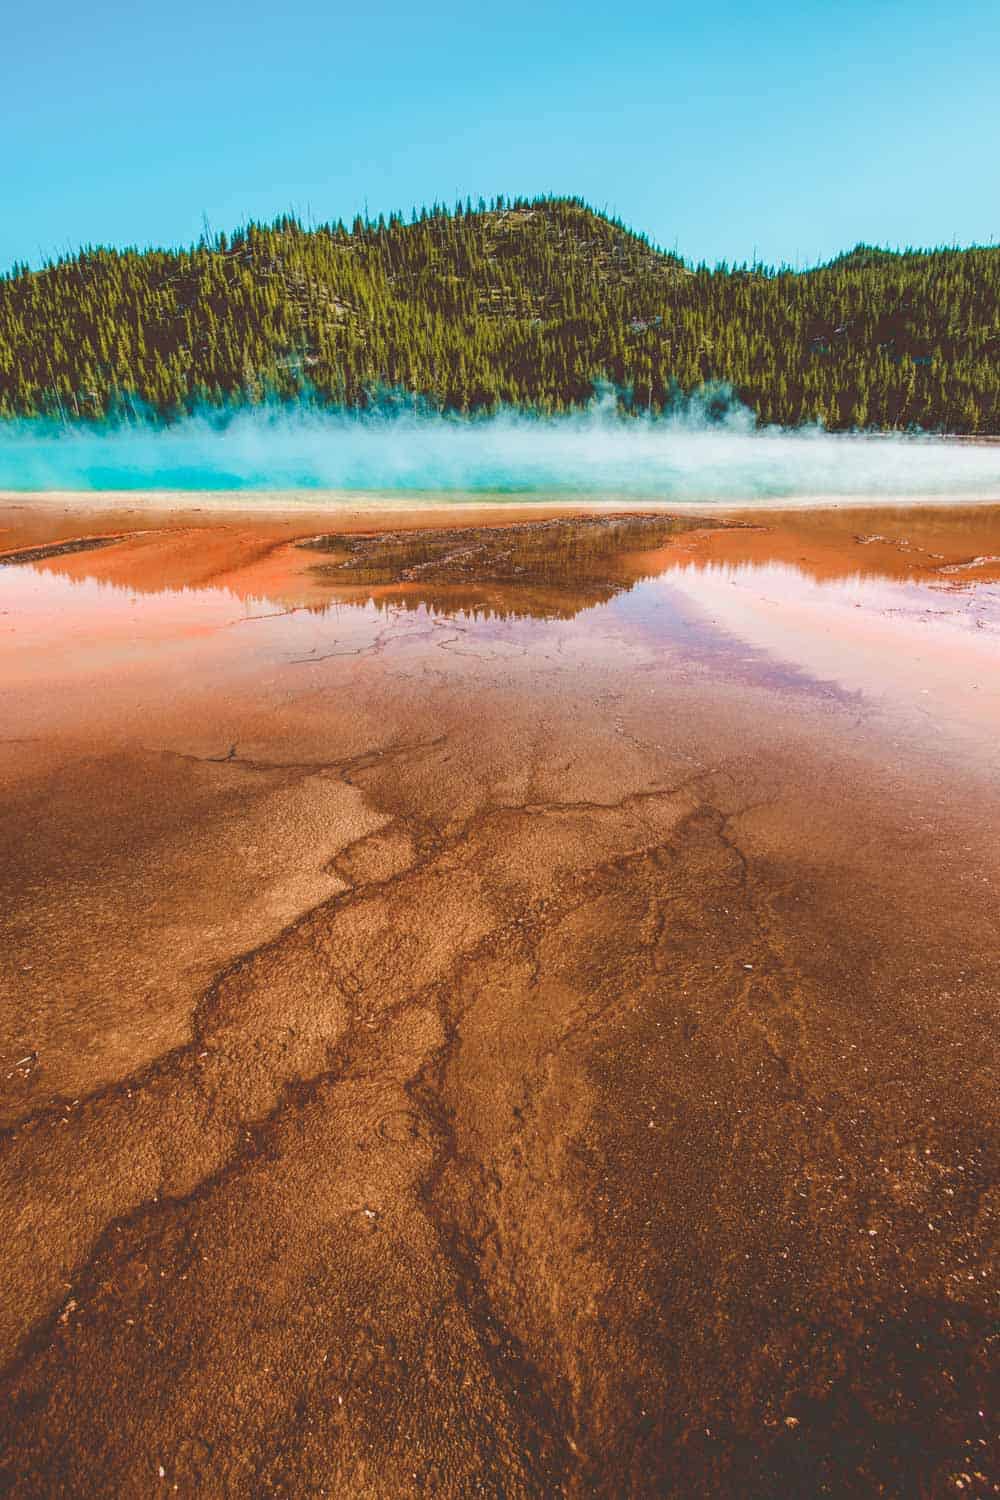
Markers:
529,303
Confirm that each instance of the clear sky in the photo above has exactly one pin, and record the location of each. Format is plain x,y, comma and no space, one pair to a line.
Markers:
789,130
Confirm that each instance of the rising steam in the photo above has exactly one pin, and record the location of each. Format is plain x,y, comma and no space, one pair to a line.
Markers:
689,456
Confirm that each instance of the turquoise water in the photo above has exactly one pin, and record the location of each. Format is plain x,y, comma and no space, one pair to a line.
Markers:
594,454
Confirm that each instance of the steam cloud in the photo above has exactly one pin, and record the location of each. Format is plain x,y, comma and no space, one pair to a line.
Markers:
597,454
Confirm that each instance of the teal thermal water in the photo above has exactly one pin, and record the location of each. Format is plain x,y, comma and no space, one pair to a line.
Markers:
594,454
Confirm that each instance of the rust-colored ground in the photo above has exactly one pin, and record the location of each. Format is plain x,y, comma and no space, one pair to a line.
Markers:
505,1010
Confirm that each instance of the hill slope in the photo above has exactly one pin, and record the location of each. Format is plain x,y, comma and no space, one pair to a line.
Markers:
528,302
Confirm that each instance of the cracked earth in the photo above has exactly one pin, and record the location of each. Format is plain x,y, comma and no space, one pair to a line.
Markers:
561,1066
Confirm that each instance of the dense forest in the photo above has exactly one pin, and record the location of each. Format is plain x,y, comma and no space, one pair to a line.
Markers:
520,302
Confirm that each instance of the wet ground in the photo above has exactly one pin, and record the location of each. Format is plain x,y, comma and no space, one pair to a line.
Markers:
507,1008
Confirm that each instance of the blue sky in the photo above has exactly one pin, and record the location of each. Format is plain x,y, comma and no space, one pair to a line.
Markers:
789,130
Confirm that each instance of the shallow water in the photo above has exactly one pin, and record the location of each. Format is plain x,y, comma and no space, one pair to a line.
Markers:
890,618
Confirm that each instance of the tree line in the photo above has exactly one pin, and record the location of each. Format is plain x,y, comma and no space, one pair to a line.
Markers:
522,302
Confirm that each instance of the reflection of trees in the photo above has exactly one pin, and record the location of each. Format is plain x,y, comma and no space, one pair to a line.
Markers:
542,569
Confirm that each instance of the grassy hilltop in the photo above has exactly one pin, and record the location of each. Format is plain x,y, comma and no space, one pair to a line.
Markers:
523,302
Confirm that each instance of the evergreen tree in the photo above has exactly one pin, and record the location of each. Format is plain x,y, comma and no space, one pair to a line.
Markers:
526,301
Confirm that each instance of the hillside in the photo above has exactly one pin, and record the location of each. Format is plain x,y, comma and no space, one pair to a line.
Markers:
528,303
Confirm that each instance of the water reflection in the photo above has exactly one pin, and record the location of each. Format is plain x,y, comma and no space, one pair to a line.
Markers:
542,570
726,588
645,593
545,570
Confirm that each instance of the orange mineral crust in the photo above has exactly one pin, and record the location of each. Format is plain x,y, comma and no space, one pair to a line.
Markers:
497,1002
